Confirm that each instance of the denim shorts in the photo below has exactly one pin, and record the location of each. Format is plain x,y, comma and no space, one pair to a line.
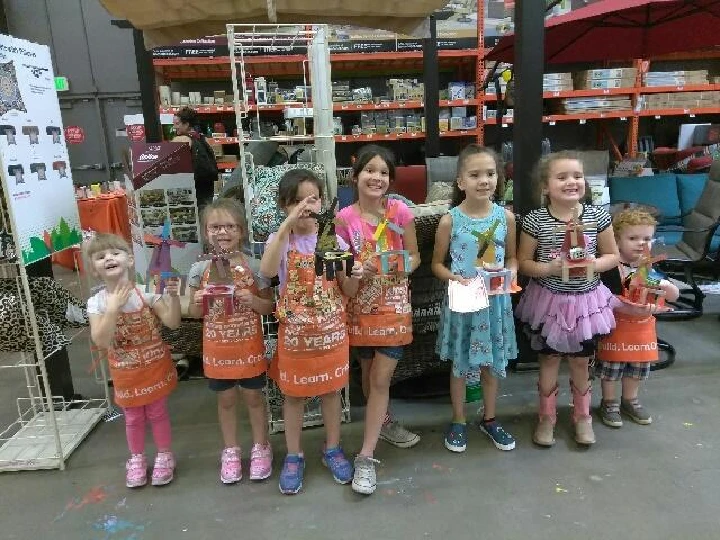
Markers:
253,383
368,353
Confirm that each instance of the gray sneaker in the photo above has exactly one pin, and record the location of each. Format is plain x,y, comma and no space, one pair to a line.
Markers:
610,413
397,435
364,480
635,411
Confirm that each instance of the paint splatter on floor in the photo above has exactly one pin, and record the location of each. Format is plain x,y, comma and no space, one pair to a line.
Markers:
115,528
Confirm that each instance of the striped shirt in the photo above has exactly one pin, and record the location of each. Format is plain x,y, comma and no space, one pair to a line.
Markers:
542,225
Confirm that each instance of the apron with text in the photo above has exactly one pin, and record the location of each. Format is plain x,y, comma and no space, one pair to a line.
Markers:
141,367
233,346
312,353
633,340
380,314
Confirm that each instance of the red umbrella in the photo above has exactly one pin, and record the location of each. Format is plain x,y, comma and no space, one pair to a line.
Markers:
625,30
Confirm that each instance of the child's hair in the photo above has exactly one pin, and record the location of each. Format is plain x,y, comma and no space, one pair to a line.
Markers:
458,195
630,218
366,154
229,206
101,242
290,182
541,176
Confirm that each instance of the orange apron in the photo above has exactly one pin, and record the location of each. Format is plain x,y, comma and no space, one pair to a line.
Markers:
633,340
233,346
313,354
140,364
380,314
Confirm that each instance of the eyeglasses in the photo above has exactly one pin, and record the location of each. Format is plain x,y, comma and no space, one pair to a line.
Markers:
230,227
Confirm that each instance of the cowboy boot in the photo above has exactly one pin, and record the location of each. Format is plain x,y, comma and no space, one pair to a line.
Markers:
584,433
544,432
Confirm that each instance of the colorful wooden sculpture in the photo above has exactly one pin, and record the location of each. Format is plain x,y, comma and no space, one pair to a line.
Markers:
575,260
160,268
641,287
498,279
387,234
328,255
220,285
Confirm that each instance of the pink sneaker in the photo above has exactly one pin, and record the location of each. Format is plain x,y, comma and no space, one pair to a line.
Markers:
260,462
164,469
230,466
136,471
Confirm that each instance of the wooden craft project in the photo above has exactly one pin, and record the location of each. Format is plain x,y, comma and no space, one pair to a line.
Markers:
220,285
498,279
160,268
641,287
328,255
575,260
388,259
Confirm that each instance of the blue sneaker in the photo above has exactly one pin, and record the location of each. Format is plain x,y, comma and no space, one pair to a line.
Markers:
341,469
500,438
291,475
456,437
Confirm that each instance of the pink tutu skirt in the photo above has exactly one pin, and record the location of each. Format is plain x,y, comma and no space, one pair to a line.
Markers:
566,323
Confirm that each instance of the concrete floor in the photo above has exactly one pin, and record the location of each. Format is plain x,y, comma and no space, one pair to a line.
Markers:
656,482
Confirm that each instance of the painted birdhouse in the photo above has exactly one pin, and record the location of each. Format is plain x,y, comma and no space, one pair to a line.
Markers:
388,234
642,287
329,257
220,288
160,268
575,260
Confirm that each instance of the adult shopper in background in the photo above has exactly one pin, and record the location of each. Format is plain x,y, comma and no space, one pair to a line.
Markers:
203,157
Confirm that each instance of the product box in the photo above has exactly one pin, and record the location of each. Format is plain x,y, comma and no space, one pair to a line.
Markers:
612,73
460,112
456,123
457,90
603,84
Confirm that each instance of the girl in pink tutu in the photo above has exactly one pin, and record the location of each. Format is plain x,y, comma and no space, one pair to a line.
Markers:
565,309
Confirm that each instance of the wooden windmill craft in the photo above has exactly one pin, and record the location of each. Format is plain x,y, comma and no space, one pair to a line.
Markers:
160,268
220,284
574,248
498,279
641,287
328,255
387,234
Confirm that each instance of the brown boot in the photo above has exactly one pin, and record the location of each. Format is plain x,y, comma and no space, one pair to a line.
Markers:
584,433
544,432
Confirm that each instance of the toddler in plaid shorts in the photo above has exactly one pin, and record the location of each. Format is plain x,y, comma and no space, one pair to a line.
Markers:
626,354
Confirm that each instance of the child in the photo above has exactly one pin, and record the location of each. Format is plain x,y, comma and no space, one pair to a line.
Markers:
565,318
313,355
627,352
483,340
380,315
126,322
233,346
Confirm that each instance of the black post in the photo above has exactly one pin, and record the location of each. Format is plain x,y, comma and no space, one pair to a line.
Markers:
146,77
431,78
528,125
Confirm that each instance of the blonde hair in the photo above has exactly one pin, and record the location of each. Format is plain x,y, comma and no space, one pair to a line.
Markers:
101,242
630,218
230,206
541,174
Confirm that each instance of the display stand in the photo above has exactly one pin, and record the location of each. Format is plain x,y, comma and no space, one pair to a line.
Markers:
310,44
42,219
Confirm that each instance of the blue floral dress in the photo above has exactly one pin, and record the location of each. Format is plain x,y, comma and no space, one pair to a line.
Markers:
485,338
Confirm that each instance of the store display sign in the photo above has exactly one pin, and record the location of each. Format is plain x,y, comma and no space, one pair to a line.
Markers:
135,132
74,135
34,164
162,188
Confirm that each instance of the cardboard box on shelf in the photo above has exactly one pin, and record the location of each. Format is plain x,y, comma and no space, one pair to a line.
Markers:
457,90
456,123
611,73
604,84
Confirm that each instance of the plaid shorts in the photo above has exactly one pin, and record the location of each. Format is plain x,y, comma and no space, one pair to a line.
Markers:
614,371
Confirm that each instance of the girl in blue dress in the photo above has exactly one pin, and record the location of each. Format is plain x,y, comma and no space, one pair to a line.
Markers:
485,339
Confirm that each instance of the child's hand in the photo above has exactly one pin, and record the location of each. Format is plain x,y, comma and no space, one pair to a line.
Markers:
301,210
554,267
198,297
244,297
369,267
461,280
172,287
118,297
357,271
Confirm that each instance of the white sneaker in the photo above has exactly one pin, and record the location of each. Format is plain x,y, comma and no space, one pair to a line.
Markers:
397,435
364,479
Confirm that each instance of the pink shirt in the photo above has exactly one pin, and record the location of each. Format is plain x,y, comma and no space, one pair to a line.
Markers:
355,230
303,243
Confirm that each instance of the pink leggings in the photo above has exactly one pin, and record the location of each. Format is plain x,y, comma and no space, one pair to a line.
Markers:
157,414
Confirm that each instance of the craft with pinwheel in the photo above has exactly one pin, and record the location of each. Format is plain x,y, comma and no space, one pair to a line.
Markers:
498,279
387,234
574,249
160,268
642,287
328,255
220,285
